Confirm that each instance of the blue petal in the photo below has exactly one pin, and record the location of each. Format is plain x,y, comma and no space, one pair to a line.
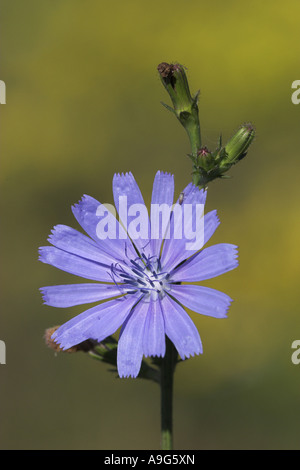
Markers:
95,323
85,213
202,300
211,223
172,247
72,241
154,342
75,264
78,294
175,250
126,186
180,329
210,262
130,346
162,193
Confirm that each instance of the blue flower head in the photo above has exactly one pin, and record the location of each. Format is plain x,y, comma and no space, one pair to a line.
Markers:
142,275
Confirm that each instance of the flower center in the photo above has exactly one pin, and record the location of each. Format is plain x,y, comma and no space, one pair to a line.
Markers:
141,274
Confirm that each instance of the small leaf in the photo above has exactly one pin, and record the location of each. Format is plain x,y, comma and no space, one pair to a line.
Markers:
192,157
168,108
220,141
225,177
195,99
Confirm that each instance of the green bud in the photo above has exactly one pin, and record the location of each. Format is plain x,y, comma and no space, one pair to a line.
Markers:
175,81
86,346
238,145
205,159
211,165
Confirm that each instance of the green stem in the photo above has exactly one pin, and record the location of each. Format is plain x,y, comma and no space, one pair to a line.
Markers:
166,386
192,127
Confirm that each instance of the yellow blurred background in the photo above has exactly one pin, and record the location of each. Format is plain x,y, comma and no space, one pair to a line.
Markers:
83,102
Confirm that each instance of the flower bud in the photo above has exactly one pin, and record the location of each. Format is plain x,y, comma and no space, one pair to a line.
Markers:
238,145
205,159
175,81
85,346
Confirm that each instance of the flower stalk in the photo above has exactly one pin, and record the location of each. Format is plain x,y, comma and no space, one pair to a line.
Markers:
207,166
168,365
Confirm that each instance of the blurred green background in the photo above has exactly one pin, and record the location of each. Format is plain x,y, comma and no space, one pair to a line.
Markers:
83,102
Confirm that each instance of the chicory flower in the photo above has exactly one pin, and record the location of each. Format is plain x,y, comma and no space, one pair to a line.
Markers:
142,278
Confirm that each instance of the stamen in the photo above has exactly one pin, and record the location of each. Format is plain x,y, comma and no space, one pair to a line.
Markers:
138,273
116,284
137,265
145,291
146,279
124,276
132,282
